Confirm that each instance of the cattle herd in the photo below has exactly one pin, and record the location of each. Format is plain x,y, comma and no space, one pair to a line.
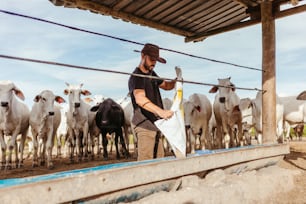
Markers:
84,127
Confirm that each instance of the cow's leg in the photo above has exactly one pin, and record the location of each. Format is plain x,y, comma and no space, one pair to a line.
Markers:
188,143
219,137
71,149
286,128
91,145
11,147
116,145
71,144
126,136
49,147
16,151
3,151
134,140
98,145
59,145
85,145
78,145
43,142
35,145
259,138
104,143
21,148
192,142
125,151
227,137
241,137
206,140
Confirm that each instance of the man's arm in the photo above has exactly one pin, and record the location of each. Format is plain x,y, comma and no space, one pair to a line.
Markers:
145,103
168,85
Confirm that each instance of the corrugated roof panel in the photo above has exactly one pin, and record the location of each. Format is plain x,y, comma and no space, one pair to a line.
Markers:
190,18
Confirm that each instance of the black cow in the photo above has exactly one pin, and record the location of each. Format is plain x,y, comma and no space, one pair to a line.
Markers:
110,119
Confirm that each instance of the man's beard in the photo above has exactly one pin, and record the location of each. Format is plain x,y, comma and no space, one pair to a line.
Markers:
147,67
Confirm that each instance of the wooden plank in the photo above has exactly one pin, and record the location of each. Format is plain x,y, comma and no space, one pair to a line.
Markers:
268,74
99,8
217,19
202,35
76,185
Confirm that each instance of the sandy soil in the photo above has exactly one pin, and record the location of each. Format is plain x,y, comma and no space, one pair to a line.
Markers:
282,183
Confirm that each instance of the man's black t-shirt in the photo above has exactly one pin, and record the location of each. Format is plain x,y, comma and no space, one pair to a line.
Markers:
151,87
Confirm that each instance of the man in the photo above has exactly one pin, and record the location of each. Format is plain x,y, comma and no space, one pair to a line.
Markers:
147,103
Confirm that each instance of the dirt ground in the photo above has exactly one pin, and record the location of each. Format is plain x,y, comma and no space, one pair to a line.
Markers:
283,183
296,160
60,164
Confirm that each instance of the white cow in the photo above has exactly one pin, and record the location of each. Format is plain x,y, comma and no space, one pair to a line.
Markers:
44,121
198,111
14,120
294,111
79,120
212,125
247,119
257,117
227,114
62,129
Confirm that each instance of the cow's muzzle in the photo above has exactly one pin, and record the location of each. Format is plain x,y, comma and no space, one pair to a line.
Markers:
4,104
51,113
77,105
222,99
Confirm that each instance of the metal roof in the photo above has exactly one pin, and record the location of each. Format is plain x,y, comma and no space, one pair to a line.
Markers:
193,19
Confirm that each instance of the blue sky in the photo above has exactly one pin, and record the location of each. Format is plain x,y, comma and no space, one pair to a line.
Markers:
32,39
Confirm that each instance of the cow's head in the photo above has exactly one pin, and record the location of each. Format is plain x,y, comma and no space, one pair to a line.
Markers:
225,88
7,91
74,93
45,100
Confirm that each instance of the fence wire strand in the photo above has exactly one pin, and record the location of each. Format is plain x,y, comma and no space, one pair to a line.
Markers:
112,71
128,41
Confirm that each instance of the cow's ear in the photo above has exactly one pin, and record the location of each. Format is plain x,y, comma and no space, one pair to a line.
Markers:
301,96
66,91
85,92
214,89
59,99
19,93
233,87
236,109
94,108
37,98
88,99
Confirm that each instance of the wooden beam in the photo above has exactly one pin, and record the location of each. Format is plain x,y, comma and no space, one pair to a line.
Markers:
268,74
247,3
277,15
99,8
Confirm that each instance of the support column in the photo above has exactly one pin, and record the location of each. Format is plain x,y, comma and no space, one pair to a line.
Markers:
268,75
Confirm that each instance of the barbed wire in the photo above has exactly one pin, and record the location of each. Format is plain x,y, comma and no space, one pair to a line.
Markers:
116,72
125,40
